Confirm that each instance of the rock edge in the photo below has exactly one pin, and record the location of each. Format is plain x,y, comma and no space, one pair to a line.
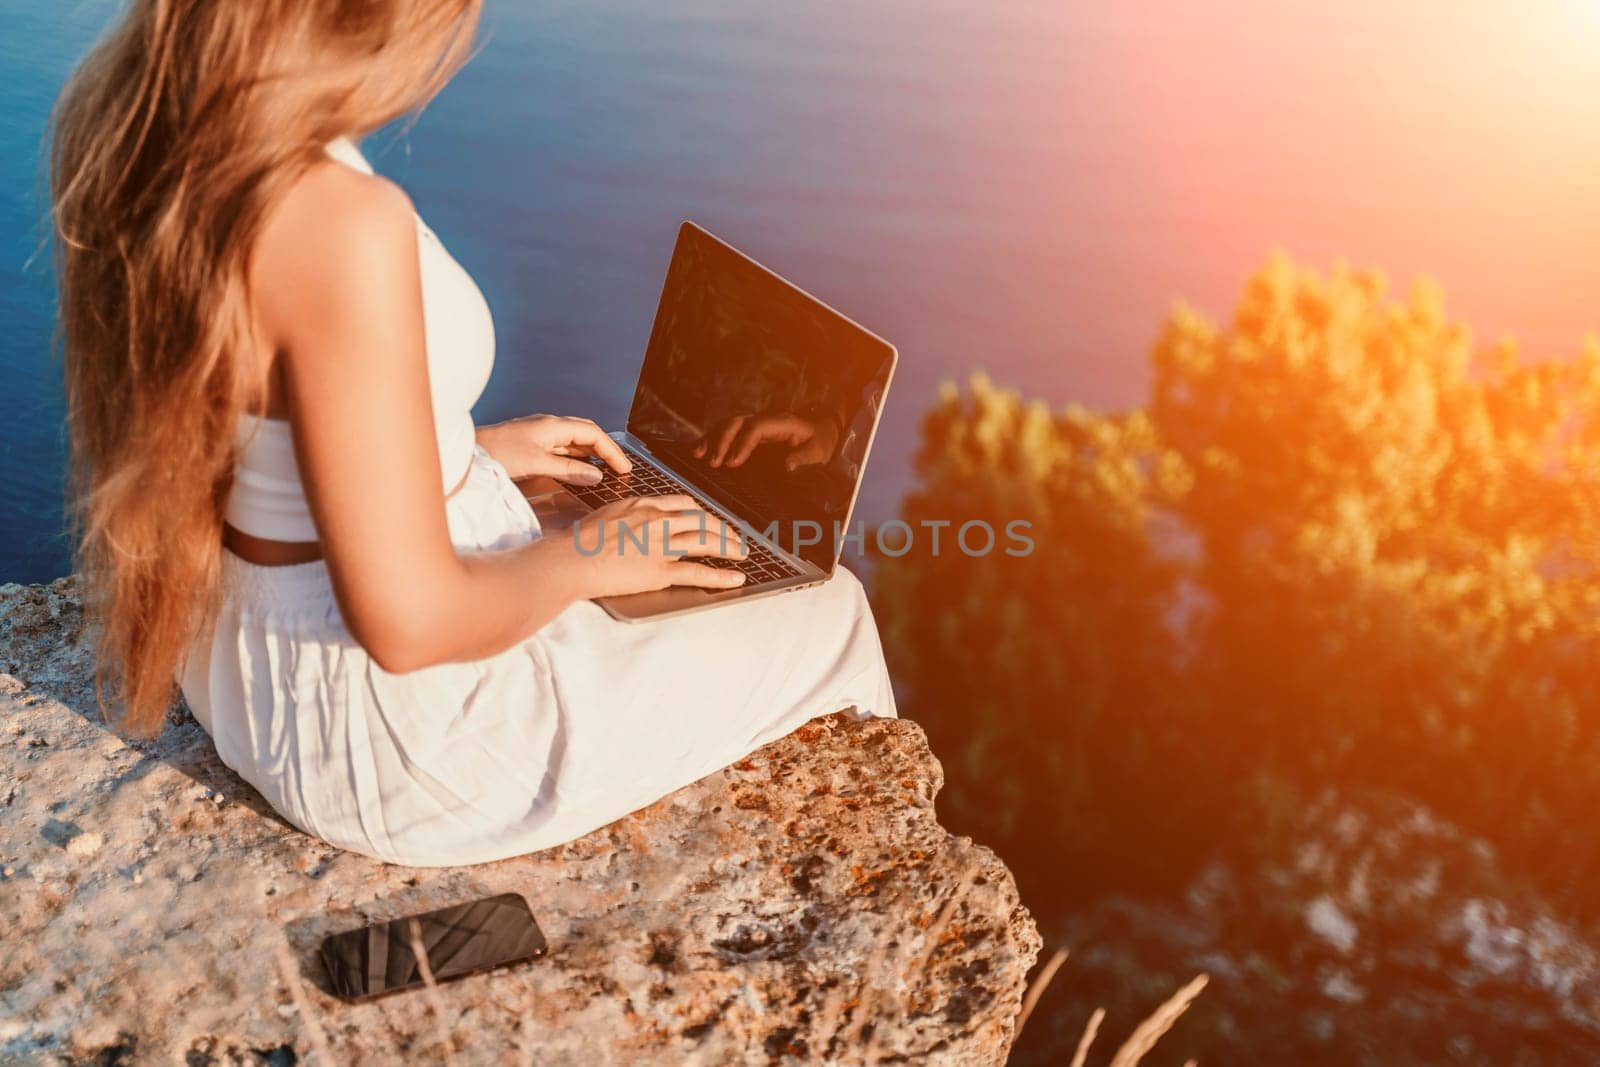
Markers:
803,905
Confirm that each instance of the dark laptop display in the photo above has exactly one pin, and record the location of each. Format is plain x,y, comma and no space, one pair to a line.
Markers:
760,393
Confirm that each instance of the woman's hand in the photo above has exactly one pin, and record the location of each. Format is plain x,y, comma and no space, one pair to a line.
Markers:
553,447
647,543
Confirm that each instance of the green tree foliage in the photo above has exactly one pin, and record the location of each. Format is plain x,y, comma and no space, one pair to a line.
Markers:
1337,546
1046,679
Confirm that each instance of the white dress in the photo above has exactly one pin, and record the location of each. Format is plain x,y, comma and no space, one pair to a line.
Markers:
572,728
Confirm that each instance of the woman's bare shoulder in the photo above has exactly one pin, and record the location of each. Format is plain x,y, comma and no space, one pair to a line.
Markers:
338,248
332,227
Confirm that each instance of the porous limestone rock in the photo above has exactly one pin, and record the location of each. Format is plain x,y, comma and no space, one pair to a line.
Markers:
802,906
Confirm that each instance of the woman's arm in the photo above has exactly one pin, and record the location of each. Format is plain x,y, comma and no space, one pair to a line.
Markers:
337,289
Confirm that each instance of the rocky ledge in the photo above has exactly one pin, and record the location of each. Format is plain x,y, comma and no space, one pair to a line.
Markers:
804,905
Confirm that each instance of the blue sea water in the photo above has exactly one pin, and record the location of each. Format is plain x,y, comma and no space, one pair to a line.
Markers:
1021,187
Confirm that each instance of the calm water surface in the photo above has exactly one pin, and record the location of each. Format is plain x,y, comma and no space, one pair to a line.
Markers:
1022,187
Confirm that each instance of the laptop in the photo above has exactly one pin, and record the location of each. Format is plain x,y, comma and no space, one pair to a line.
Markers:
761,402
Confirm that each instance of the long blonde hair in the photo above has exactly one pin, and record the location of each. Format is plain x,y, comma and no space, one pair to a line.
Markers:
170,145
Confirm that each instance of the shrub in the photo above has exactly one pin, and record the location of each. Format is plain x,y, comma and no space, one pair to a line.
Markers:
1338,545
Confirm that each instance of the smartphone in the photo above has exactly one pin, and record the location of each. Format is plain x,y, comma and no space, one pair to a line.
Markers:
377,960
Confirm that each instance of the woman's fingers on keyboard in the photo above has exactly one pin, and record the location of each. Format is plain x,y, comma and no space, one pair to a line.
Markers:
723,543
654,528
673,523
704,530
703,577
670,502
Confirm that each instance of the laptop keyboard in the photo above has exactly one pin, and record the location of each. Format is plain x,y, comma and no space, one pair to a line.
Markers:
646,479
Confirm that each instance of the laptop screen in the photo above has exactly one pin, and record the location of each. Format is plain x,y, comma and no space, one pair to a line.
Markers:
761,394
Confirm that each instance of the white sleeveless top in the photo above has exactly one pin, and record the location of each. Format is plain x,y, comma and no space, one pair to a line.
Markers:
267,499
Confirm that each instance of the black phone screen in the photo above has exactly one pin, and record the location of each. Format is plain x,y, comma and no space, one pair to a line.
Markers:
455,941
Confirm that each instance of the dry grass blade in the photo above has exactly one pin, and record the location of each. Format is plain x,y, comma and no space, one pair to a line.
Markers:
1036,990
867,1009
930,943
524,1026
1145,1036
420,951
830,1017
302,1003
1090,1032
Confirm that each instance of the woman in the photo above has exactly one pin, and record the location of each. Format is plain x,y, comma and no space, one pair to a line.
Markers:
281,497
